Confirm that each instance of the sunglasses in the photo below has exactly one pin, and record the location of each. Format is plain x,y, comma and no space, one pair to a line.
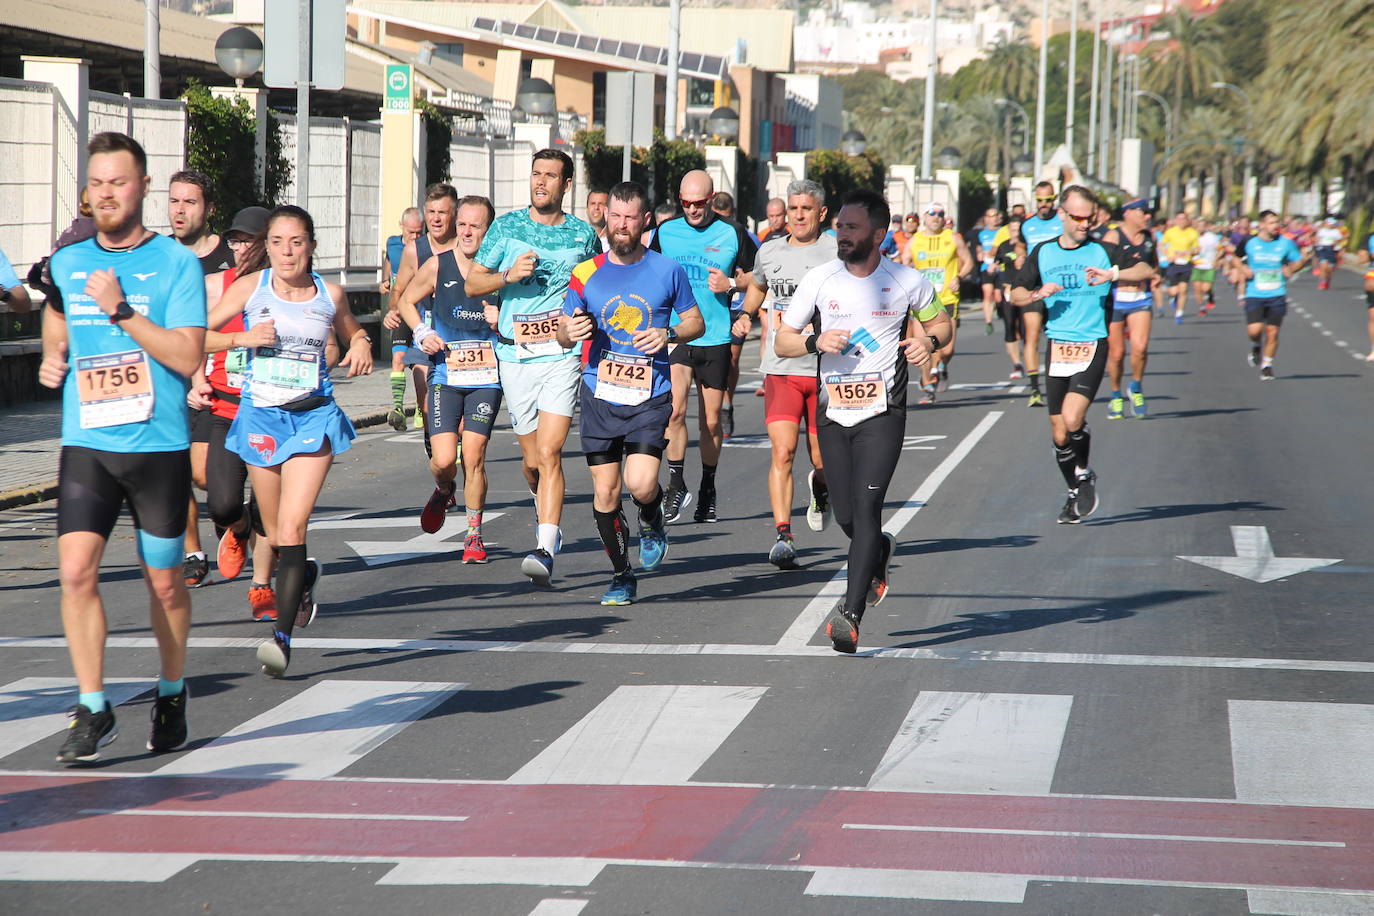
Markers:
693,203
1044,200
1081,220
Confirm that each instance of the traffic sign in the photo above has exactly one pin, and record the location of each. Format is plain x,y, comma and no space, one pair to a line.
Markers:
399,94
282,41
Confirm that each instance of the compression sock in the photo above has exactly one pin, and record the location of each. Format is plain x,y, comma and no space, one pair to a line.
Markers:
1369,298
1080,441
290,585
615,536
550,538
474,520
1064,457
651,513
398,389
429,449
785,530
675,478
94,701
1033,379
166,688
1133,387
708,477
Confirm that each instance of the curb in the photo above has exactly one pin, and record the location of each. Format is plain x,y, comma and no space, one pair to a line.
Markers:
38,493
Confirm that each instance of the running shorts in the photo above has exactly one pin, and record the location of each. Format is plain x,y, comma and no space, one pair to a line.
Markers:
474,408
609,428
790,398
1266,311
200,423
415,357
1326,253
1119,314
1012,325
1204,274
710,365
543,387
92,486
1085,383
265,437
1175,274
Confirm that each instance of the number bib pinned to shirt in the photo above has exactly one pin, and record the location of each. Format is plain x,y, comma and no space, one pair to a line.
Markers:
471,364
1067,359
623,378
853,398
235,364
281,376
936,276
114,389
1266,281
537,334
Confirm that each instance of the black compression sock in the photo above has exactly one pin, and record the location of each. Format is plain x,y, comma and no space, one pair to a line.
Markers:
1033,379
651,513
708,476
616,537
675,470
785,530
1065,458
290,584
1369,298
429,449
1080,441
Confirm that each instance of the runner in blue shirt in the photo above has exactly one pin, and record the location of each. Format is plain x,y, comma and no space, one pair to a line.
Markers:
1072,276
412,224
1266,262
1041,226
12,292
623,302
122,337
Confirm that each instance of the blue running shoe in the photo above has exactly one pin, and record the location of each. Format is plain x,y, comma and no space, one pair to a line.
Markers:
653,547
622,590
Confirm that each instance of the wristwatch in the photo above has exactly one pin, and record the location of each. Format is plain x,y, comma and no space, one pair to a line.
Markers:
122,312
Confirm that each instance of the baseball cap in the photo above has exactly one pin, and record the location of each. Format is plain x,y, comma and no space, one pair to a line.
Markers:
250,221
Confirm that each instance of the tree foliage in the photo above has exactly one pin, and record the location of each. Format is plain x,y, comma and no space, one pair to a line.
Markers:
221,141
839,174
658,168
438,136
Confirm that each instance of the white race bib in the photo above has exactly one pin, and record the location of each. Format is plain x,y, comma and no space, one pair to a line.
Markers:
536,334
1068,359
114,389
853,398
281,376
623,378
471,364
1268,280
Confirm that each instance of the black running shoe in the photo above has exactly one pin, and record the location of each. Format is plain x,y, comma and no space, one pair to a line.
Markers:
706,506
1254,357
169,723
727,420
1266,374
314,572
675,499
1085,503
87,734
784,553
275,655
843,629
195,570
1069,514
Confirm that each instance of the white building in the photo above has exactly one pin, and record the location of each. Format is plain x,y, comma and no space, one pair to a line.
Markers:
853,39
815,107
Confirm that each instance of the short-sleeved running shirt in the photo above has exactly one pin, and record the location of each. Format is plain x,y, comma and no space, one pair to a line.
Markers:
8,278
1078,312
1178,243
779,269
558,249
1036,230
720,244
875,310
1266,259
161,279
623,299
459,319
1209,248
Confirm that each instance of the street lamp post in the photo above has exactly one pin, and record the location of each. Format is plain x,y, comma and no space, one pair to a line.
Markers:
1168,129
1025,135
1040,91
932,70
1073,64
853,143
1092,103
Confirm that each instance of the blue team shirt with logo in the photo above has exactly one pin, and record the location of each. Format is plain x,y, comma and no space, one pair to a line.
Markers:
625,298
455,316
163,281
1036,230
1266,259
1078,312
720,244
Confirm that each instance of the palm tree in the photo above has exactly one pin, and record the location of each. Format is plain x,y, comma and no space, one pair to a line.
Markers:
1011,70
1185,59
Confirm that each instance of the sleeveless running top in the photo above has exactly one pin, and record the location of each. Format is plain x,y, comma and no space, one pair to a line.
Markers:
937,257
458,319
295,368
224,370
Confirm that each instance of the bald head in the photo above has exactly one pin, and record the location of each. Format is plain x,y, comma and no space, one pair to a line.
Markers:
694,193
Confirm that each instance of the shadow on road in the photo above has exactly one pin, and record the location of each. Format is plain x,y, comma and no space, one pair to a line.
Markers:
1151,513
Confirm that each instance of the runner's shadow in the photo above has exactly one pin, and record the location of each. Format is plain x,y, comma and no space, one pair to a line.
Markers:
1186,414
946,545
1151,513
993,623
1322,375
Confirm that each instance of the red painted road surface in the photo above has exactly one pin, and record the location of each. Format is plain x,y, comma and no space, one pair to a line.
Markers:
797,828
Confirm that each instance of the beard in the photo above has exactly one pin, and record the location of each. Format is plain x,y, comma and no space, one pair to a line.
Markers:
855,252
114,222
624,244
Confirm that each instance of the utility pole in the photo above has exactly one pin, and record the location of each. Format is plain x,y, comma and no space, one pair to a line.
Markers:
152,50
1092,104
1073,65
670,96
932,71
1040,91
303,107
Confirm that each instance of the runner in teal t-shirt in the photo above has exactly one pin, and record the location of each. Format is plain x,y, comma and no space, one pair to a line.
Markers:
528,255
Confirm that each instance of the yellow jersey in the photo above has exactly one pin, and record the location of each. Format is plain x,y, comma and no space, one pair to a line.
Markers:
1177,241
937,256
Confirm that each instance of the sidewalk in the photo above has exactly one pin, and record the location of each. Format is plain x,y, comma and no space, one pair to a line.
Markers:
31,434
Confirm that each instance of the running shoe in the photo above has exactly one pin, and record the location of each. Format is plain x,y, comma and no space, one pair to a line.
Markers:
706,506
1069,514
622,591
396,419
195,570
87,734
843,629
432,515
784,553
538,566
1036,399
1267,374
675,499
1138,404
231,554
942,378
727,420
653,547
1085,503
1254,357
987,328
474,551
1116,408
927,395
309,607
877,589
1017,371
818,512
263,601
1178,318
419,421
169,723
275,655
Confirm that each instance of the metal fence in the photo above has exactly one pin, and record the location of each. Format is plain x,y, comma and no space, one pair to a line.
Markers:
159,125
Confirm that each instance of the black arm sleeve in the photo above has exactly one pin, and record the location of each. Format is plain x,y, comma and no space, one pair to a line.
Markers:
744,259
1029,277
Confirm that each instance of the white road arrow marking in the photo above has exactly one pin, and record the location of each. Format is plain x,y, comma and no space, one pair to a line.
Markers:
1255,560
381,553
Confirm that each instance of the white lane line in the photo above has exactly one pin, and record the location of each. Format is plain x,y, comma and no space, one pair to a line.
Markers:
554,906
811,617
33,708
1295,753
1003,743
277,815
1080,834
902,884
643,735
316,733
962,656
92,866
1273,901
496,870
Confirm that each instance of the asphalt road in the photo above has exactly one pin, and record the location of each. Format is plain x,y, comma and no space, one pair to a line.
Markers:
1042,718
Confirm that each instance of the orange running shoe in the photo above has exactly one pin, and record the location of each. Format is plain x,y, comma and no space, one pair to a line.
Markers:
263,601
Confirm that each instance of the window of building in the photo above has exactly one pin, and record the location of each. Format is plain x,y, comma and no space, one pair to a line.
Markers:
450,51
